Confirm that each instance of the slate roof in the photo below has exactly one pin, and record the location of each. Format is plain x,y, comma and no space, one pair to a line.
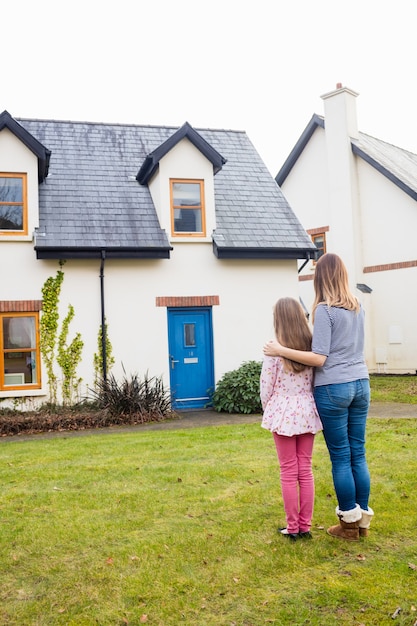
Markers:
398,165
91,201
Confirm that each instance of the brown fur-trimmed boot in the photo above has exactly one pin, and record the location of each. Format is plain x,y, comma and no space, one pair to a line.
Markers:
365,522
348,527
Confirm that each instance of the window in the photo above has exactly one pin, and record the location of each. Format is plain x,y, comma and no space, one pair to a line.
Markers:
19,351
318,237
13,204
187,208
319,241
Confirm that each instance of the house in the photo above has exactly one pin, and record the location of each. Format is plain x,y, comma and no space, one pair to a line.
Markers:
356,196
175,241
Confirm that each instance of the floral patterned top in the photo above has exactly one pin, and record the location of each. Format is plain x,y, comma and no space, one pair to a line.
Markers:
287,399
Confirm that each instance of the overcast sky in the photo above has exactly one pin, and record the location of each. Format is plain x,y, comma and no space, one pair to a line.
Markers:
259,66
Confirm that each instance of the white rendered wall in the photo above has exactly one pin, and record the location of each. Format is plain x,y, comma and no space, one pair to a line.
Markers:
183,161
16,158
137,328
384,233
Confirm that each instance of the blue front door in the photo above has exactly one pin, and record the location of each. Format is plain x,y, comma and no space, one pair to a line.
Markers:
190,357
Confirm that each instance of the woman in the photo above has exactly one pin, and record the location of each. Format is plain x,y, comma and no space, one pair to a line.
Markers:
341,391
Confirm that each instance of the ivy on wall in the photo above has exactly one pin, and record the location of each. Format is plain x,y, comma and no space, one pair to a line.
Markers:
48,328
98,356
69,357
54,344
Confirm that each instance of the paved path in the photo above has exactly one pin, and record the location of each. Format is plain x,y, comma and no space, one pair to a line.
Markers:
195,419
192,419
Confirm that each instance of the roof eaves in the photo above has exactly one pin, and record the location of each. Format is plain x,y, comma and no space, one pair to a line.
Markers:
151,162
384,171
61,253
39,150
264,253
314,123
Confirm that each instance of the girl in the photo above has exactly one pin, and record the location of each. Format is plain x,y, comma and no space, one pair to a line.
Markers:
341,390
291,415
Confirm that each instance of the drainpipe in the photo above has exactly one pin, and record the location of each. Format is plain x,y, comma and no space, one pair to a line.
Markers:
103,318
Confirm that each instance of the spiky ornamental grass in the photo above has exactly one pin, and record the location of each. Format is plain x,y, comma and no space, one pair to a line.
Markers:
146,397
176,527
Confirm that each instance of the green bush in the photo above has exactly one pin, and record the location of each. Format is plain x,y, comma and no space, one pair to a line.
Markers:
238,391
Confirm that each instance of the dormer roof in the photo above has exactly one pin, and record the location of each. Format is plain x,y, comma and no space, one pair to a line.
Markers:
39,150
151,163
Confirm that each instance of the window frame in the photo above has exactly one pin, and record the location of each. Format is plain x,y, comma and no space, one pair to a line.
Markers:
321,249
24,204
201,207
319,232
36,350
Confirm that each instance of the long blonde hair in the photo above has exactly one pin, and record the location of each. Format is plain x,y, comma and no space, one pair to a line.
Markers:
292,329
331,284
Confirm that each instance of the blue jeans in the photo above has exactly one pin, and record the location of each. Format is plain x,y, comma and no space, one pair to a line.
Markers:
343,410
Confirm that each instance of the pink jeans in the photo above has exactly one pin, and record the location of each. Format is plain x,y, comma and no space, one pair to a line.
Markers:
297,480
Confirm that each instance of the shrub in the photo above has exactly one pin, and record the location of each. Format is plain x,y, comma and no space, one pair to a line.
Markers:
147,399
238,391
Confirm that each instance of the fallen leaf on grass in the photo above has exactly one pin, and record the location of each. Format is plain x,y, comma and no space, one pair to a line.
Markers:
412,566
143,618
109,561
361,557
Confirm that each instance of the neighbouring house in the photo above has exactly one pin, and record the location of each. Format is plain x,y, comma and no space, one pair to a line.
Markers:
356,196
177,242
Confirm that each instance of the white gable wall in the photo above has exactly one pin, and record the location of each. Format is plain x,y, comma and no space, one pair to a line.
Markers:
372,223
183,161
389,227
16,158
389,221
310,193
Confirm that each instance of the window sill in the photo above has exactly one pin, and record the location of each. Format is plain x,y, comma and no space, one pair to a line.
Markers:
191,239
22,393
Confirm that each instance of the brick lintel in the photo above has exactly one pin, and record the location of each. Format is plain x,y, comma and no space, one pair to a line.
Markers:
20,306
184,301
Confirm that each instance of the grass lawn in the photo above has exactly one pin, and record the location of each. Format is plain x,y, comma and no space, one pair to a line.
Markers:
394,388
180,527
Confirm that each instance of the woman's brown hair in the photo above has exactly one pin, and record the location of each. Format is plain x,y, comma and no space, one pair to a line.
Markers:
292,329
331,284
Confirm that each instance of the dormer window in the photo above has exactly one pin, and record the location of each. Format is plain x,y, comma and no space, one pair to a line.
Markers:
13,204
187,208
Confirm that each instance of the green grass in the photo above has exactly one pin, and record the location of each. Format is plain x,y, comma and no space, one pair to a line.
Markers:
177,527
394,389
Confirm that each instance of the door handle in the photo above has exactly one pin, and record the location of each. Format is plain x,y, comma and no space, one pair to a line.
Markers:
173,361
